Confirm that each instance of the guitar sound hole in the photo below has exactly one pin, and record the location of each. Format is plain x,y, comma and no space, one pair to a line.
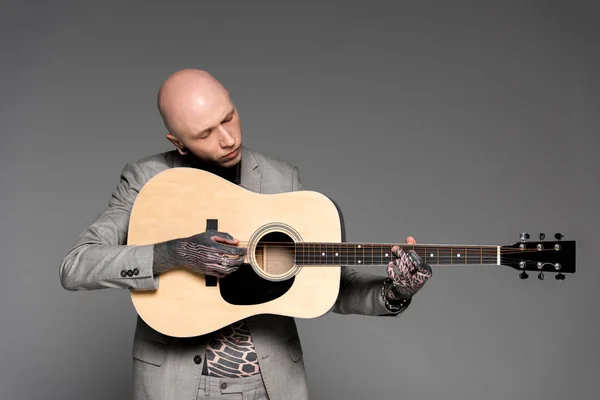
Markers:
274,256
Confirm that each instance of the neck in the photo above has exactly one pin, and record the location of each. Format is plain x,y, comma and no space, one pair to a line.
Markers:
231,173
315,253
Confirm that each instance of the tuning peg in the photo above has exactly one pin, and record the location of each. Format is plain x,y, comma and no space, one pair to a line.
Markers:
523,275
524,236
542,236
541,276
559,277
559,236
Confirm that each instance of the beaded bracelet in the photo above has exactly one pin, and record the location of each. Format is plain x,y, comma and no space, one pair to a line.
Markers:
391,307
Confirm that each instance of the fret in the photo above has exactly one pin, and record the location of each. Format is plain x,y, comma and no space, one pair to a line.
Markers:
306,254
332,255
335,254
376,256
361,254
489,255
458,255
320,254
334,250
419,249
346,253
444,255
473,255
432,255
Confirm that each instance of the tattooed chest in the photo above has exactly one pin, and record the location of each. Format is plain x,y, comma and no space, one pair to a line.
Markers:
231,353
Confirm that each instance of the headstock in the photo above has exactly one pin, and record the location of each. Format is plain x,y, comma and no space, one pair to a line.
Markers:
541,256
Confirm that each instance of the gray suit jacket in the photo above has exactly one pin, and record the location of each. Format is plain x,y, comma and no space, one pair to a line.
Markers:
163,366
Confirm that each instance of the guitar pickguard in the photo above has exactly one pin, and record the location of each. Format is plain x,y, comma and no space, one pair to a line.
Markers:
245,287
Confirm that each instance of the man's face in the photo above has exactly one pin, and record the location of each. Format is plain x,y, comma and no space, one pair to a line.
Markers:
210,130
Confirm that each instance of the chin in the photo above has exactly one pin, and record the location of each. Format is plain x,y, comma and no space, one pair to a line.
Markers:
231,162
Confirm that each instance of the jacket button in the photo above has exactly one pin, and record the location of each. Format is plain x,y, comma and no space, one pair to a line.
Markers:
129,273
136,271
224,385
123,273
197,359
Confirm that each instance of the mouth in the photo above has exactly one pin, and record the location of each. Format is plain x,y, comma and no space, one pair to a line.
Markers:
232,154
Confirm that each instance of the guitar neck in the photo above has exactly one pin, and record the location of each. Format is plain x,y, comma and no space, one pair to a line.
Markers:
319,253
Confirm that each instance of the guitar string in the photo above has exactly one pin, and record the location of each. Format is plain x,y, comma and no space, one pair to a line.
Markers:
279,260
442,249
377,245
286,264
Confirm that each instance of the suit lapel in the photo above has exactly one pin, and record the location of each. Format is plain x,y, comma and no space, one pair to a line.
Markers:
251,175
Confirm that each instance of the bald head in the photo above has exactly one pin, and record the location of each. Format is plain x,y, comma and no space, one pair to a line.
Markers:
200,117
188,92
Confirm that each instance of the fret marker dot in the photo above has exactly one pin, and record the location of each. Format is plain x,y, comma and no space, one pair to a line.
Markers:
458,255
359,261
431,255
386,254
336,254
359,246
323,254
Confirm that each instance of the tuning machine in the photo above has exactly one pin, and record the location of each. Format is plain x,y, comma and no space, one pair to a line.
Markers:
559,236
559,277
524,236
523,275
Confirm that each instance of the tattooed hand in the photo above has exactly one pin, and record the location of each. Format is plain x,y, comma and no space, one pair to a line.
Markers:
211,253
408,273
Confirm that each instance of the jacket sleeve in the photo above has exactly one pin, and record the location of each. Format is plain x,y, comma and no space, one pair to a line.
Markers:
101,258
360,292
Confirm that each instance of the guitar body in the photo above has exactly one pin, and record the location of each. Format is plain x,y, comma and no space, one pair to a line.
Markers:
179,202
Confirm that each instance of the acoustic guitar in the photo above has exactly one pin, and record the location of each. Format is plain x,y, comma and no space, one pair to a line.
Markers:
295,251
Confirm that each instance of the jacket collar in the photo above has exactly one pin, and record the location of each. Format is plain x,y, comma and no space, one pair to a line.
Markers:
251,175
250,171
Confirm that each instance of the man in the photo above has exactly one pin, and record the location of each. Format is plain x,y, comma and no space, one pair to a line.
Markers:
260,356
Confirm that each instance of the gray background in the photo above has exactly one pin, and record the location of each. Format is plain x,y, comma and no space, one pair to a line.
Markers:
455,122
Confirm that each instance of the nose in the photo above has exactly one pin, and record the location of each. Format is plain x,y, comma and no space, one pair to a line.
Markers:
226,138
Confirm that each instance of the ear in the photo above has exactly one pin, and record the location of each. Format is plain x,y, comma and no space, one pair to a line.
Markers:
177,143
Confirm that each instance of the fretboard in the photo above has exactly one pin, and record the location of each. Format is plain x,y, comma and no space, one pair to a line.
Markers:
308,253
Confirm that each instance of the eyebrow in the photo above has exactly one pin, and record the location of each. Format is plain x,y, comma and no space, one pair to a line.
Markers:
198,133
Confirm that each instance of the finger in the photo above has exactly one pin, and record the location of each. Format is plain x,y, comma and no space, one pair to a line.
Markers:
228,240
397,267
230,249
224,235
415,257
396,251
410,240
413,269
415,261
419,263
391,271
